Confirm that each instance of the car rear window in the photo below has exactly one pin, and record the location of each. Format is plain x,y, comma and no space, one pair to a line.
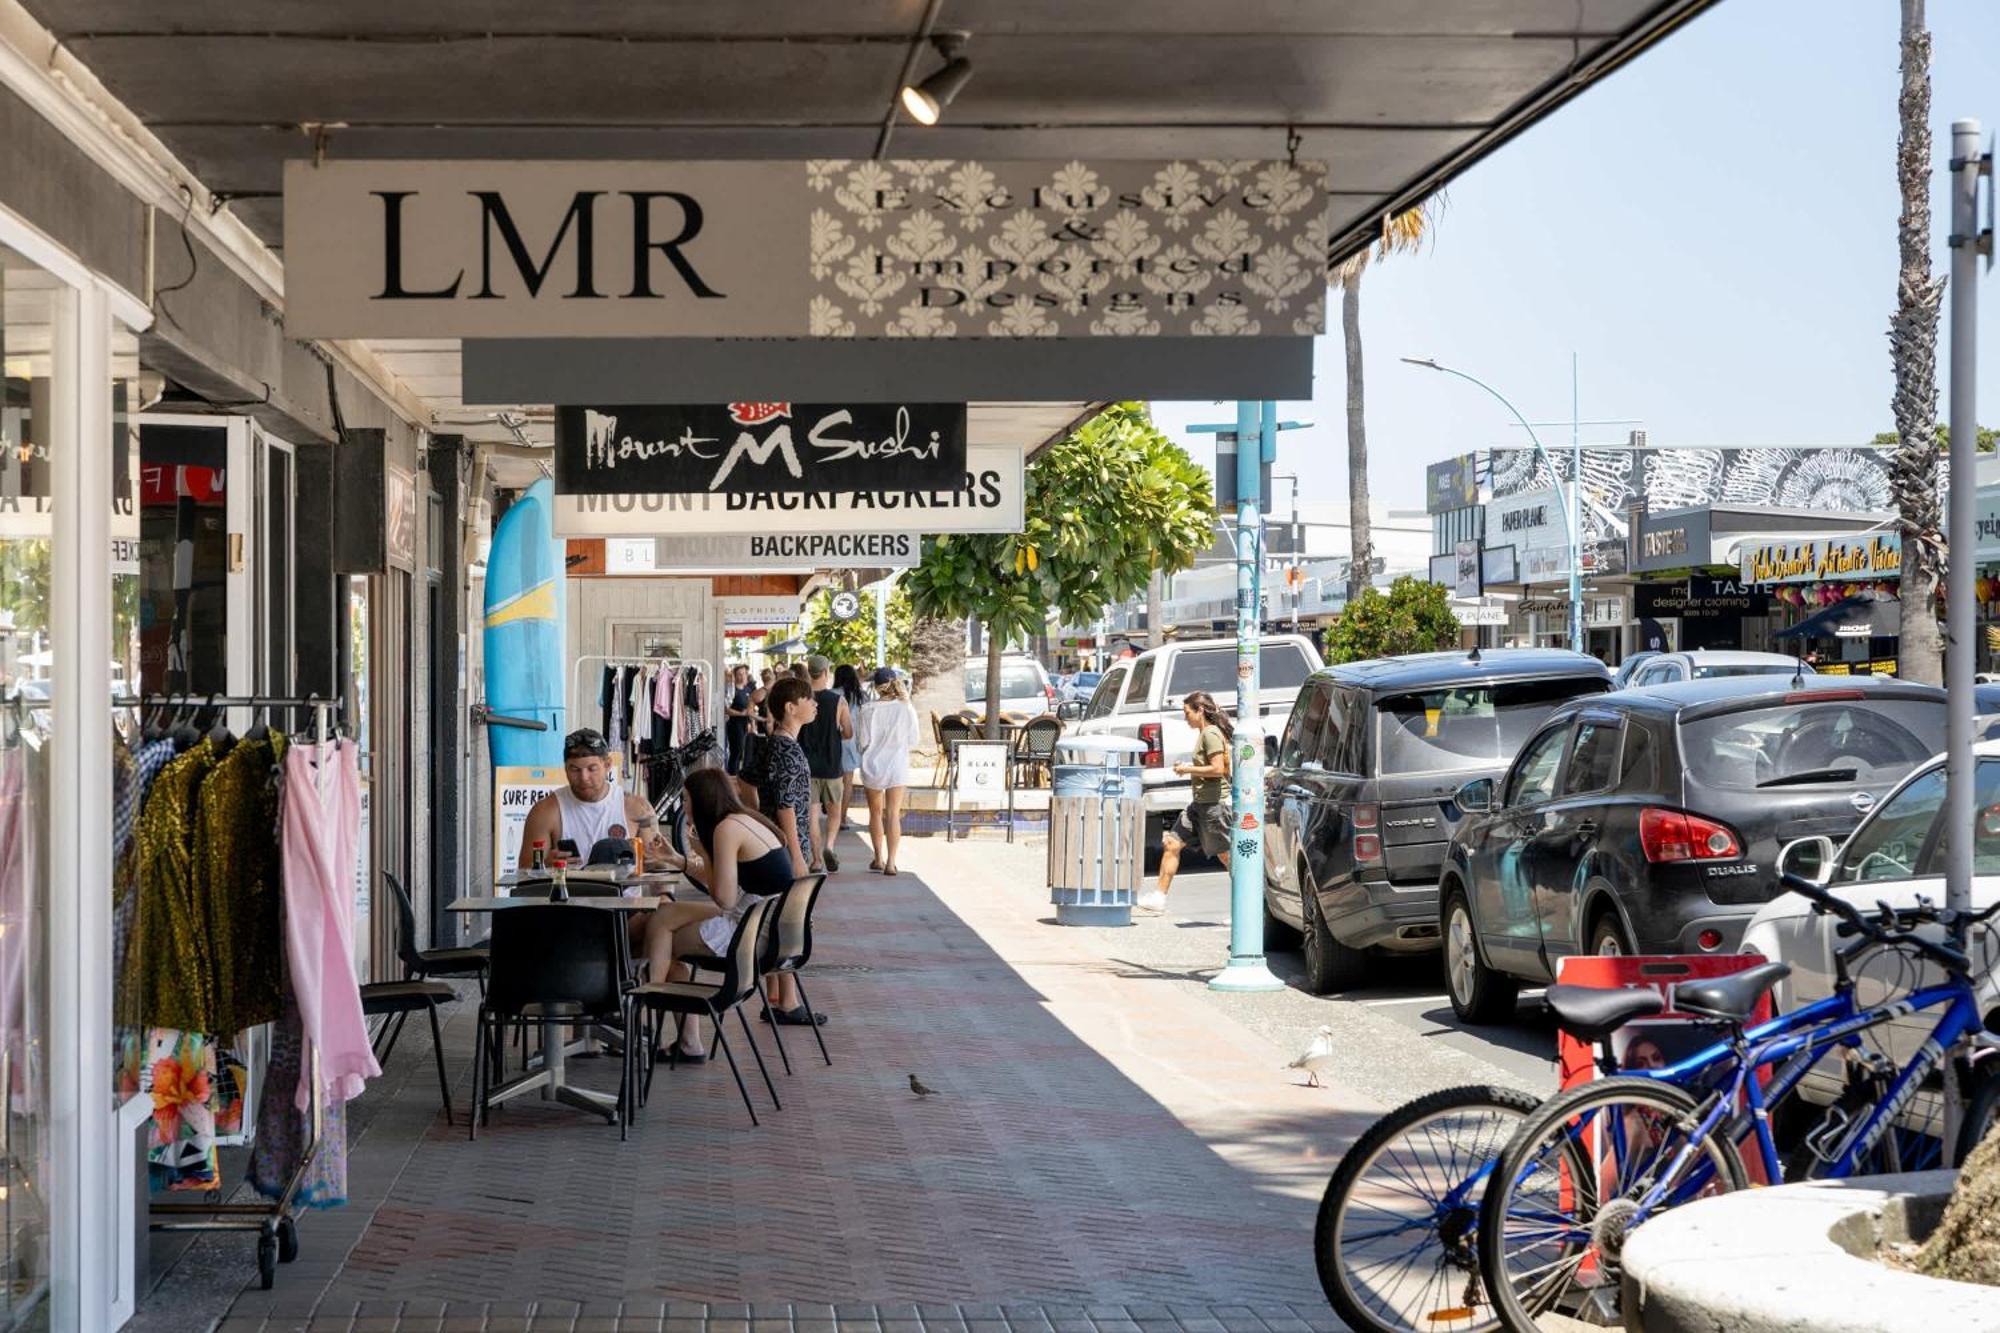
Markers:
1283,667
1468,726
1864,742
1017,681
1748,669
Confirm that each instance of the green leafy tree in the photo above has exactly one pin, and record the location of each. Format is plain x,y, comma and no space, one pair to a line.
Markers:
1414,616
1985,441
1108,504
854,640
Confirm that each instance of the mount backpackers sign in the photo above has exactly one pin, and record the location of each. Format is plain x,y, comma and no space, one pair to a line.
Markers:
746,447
929,248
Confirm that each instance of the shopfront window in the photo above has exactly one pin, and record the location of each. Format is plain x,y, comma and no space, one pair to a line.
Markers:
29,300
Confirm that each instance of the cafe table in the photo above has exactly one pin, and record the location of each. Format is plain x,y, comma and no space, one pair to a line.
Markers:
552,1079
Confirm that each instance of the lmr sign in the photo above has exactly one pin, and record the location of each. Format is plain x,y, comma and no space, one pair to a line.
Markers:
930,248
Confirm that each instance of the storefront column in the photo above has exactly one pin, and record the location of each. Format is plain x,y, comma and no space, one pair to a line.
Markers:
83,1145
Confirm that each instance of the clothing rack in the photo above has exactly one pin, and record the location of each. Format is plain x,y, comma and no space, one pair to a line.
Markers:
707,718
273,1219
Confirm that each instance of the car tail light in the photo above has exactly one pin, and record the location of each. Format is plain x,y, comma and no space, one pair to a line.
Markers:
1149,736
1367,841
1675,835
1709,940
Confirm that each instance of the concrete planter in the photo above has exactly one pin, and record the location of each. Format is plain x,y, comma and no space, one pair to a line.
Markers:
1798,1258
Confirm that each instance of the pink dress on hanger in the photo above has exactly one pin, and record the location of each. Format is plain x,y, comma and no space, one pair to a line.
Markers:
320,829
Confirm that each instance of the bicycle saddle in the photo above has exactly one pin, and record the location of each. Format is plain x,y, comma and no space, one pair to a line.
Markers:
1731,997
1591,1014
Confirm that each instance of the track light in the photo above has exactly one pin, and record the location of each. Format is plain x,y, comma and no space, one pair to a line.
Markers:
926,101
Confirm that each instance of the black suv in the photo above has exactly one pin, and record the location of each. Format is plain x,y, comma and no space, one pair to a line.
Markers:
1361,797
1649,821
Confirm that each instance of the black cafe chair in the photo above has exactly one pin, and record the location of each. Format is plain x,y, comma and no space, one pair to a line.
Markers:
425,964
555,965
394,1002
788,950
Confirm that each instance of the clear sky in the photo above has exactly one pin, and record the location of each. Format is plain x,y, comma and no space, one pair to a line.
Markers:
1711,230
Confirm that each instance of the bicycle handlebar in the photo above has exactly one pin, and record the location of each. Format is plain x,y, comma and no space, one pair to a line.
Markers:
1897,925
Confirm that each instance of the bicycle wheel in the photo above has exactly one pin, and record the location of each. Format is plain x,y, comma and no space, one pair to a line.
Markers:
1396,1240
1570,1186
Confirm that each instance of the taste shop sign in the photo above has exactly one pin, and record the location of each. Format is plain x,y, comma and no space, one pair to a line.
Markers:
748,447
1875,556
932,248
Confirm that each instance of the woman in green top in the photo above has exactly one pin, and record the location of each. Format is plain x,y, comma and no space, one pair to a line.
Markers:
1207,817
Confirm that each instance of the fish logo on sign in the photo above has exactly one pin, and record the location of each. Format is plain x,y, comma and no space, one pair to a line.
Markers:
756,414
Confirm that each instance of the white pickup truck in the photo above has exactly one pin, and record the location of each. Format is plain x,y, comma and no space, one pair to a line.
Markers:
1140,699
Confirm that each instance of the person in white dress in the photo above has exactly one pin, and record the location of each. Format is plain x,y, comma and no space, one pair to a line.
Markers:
887,731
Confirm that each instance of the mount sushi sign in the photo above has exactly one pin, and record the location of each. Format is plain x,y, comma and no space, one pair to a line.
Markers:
828,248
749,447
986,495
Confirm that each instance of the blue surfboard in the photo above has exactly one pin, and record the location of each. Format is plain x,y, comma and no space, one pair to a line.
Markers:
524,630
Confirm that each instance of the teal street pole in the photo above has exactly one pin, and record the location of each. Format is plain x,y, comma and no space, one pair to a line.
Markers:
1256,445
1570,511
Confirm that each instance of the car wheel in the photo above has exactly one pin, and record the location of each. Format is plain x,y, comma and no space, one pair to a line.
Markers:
1330,965
1607,937
1479,995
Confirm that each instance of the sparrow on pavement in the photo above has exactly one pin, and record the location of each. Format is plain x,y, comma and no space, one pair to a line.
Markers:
918,1088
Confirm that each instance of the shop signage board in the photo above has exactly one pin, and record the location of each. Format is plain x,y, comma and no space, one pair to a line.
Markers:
928,248
1867,556
1988,503
1452,484
1530,521
768,610
1499,564
791,551
516,788
1703,595
981,767
1679,539
743,448
1465,580
988,498
1485,611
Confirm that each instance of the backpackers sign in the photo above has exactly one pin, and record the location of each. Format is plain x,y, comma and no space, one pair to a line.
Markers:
930,248
1825,559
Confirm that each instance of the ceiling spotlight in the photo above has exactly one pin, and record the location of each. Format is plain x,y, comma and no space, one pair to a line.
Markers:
926,101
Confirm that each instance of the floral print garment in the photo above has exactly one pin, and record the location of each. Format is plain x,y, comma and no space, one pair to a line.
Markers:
198,1089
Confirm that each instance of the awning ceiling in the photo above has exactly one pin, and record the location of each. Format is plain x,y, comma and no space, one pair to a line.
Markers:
1396,96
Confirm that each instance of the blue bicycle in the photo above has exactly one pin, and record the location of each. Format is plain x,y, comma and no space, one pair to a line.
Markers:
1593,1163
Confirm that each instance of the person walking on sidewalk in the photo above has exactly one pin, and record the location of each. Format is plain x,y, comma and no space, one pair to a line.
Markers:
779,774
1206,818
737,729
888,731
821,739
847,683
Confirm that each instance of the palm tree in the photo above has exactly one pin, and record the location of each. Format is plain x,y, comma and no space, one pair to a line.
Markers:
1403,231
1913,350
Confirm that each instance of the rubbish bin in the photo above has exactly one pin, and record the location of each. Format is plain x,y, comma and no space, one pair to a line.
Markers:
1097,849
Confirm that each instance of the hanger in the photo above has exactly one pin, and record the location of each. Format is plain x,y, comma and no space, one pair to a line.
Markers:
219,735
183,734
260,724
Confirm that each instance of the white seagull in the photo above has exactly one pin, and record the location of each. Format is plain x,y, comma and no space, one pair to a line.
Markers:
1316,1057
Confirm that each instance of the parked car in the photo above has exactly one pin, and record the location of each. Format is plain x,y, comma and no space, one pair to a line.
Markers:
1709,663
1650,820
1630,667
1140,698
1360,805
1025,690
1079,687
1896,855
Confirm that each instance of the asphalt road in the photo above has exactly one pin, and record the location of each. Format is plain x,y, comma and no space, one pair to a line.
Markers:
1409,991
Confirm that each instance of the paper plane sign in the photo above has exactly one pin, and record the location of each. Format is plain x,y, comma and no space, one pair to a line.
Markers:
918,248
752,447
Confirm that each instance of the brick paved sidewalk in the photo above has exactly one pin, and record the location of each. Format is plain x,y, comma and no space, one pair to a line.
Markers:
1105,1158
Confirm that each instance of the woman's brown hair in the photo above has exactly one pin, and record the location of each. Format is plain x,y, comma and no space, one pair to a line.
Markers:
711,798
1211,716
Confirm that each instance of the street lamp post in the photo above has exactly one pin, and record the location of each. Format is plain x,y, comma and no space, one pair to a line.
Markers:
1572,511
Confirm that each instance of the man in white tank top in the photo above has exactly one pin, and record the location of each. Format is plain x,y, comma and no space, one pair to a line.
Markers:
590,808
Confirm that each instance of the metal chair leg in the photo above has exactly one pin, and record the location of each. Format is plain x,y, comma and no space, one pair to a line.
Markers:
813,1015
772,1019
722,1040
757,1051
437,1050
479,1075
395,1029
